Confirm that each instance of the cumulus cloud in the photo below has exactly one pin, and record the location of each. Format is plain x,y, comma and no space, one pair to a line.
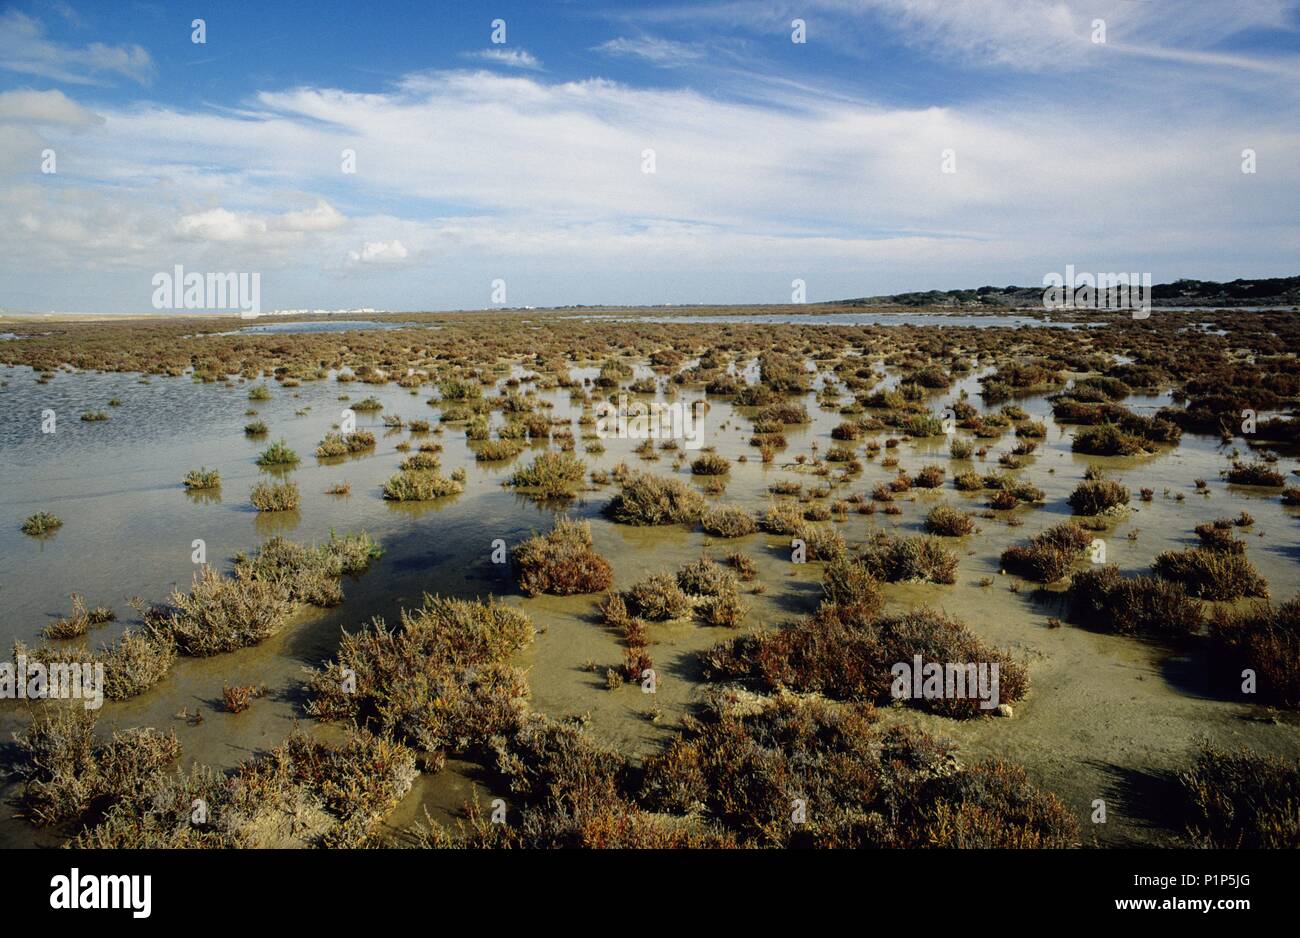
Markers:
379,252
222,225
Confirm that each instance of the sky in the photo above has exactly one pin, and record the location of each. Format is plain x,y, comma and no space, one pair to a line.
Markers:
426,155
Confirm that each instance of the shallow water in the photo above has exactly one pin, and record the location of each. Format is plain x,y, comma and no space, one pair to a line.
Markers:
1104,711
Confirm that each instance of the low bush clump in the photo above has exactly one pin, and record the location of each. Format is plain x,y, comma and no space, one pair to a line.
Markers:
728,521
947,521
1217,535
847,653
909,559
1049,554
439,680
220,614
125,792
495,450
41,523
562,562
1242,800
1102,597
201,479
647,499
1211,574
848,583
746,763
551,475
420,485
1255,473
340,444
64,770
1107,439
930,477
1098,496
657,598
238,698
280,496
79,622
1265,638
710,464
138,661
310,573
278,454
422,461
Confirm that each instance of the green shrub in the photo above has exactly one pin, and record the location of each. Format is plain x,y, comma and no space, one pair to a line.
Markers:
495,450
283,496
277,454
200,479
420,486
551,475
340,444
41,523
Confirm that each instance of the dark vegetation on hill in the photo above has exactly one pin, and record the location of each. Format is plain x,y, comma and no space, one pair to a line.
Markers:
1269,291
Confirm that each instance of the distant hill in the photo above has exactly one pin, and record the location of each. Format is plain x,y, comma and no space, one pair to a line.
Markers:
1272,291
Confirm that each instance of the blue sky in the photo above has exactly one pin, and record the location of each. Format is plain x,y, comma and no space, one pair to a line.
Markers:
525,161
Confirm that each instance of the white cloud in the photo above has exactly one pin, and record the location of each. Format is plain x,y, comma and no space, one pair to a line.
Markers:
379,252
665,53
320,217
44,107
25,49
223,226
511,58
483,174
1035,35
